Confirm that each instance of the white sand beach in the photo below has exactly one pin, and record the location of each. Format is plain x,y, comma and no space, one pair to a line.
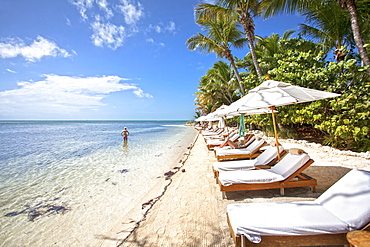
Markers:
191,211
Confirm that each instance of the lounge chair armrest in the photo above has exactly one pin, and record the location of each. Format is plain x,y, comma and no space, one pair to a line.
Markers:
366,228
262,167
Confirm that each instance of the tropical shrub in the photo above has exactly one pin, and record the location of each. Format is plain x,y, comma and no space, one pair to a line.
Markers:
344,120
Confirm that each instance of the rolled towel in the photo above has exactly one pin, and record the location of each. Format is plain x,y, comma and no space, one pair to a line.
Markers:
296,151
273,143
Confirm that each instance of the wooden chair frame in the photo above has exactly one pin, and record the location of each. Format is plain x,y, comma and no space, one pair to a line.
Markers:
266,166
291,241
297,179
251,155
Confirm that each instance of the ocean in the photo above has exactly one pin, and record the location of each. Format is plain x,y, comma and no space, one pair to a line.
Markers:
70,183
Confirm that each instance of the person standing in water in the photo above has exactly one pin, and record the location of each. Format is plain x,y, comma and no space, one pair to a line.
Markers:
125,134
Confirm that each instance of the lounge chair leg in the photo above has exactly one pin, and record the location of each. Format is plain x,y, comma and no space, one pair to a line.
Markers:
223,195
282,192
314,188
242,242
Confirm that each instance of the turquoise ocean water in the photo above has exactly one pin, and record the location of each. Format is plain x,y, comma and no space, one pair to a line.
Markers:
68,183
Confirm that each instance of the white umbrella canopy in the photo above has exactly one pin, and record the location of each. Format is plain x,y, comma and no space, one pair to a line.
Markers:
232,110
275,93
271,94
201,119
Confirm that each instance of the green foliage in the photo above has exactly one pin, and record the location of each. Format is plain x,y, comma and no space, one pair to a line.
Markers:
216,88
349,124
345,119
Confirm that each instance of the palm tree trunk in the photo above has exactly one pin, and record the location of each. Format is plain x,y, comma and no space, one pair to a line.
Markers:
350,4
237,76
225,95
248,25
227,54
254,56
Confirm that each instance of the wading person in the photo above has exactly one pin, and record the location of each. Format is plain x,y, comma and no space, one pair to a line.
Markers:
125,134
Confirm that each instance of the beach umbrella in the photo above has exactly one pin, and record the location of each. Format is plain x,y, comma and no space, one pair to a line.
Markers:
201,119
271,94
242,126
221,123
232,110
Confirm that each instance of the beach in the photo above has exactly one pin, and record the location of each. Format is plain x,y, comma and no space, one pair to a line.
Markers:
191,211
68,183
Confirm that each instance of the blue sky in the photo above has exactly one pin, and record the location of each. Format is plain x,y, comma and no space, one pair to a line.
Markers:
104,59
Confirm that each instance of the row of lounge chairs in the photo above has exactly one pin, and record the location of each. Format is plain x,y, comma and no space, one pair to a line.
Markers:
344,207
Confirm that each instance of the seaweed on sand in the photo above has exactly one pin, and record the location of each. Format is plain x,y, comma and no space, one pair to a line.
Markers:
39,210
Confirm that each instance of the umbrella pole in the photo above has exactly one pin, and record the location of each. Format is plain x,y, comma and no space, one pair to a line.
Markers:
275,130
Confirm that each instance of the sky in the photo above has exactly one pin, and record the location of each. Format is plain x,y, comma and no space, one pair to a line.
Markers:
104,59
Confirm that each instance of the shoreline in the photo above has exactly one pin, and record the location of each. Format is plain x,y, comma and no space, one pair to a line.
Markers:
132,220
191,211
77,196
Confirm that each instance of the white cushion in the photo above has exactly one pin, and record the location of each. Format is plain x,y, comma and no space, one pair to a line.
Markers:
248,176
254,220
215,142
251,148
232,151
289,164
349,199
268,155
263,159
234,165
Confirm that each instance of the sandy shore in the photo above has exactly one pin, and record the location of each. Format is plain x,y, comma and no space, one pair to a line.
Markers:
191,211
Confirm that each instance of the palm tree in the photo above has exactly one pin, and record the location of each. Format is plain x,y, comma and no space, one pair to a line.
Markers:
269,47
220,77
218,87
351,7
272,7
222,34
265,48
272,43
331,27
245,10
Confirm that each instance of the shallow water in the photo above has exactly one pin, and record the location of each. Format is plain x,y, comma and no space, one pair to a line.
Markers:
69,183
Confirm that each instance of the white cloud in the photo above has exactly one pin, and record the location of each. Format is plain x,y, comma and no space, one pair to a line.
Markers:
171,27
155,28
107,34
11,71
83,6
140,93
39,48
103,4
131,13
150,40
98,14
161,28
58,95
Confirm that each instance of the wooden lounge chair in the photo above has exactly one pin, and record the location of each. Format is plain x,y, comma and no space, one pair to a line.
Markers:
222,134
251,151
230,144
212,132
264,161
287,173
344,207
215,143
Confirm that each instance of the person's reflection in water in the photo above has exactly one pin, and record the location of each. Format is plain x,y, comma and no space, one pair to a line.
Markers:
125,146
